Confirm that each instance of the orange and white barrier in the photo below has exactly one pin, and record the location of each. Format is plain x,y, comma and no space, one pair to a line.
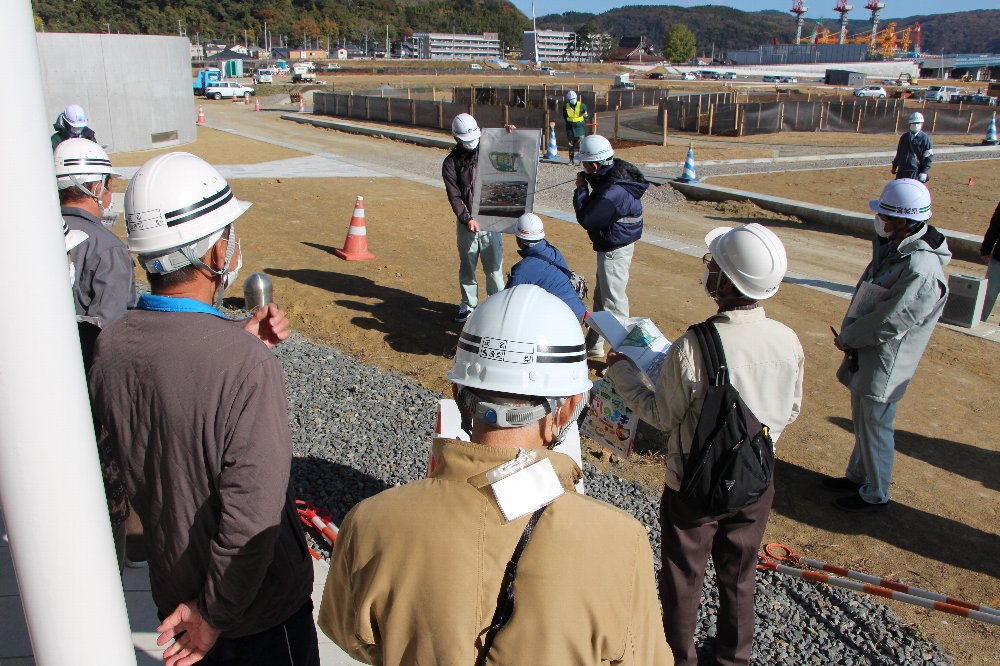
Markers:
318,520
201,115
256,105
302,105
356,244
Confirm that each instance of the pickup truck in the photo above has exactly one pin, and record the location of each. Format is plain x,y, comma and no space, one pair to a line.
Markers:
204,78
229,90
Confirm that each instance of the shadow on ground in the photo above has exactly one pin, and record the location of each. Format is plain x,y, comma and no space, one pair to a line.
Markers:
411,324
965,460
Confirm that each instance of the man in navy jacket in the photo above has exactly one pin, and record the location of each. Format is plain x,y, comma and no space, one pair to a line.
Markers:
542,264
608,206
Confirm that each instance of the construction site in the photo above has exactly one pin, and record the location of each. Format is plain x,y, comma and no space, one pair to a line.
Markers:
803,159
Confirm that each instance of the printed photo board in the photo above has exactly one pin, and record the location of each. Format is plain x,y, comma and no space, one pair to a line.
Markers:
505,181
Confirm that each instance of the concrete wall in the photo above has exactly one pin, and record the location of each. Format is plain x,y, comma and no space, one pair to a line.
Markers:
136,89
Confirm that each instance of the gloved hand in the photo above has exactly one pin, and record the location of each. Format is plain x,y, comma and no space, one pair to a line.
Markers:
922,177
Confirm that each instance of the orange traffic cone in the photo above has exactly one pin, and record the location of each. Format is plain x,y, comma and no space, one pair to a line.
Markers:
302,105
201,115
256,105
356,243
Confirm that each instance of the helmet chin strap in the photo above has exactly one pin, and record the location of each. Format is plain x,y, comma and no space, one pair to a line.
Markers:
189,254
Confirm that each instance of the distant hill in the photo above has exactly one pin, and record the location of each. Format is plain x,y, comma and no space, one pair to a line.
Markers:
327,19
961,32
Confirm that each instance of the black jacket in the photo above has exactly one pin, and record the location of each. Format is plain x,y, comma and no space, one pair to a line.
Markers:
61,134
459,174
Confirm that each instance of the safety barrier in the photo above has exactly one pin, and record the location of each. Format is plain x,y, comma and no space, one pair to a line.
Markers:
735,114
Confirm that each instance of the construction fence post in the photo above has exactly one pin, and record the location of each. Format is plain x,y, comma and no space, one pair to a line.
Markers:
895,128
440,106
781,115
617,121
934,123
665,119
969,128
388,110
711,117
368,107
413,112
506,115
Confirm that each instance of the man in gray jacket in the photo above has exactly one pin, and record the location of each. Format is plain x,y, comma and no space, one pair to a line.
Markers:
194,406
896,304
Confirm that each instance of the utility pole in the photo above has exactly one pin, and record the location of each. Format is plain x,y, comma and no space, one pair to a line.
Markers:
108,26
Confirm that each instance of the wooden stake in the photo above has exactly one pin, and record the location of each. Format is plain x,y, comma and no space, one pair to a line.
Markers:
898,115
388,110
506,115
934,124
617,120
711,117
368,107
440,106
413,112
969,128
781,116
665,126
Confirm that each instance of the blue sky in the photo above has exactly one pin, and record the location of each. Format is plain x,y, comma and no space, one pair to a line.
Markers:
818,8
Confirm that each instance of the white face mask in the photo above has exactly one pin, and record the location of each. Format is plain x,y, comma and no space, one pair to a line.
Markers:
229,279
72,274
108,215
915,127
74,131
880,228
470,145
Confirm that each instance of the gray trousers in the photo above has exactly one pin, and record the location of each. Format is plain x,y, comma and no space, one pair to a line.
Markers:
609,288
874,447
473,245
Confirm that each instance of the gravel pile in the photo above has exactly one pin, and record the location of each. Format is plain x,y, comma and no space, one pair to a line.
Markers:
357,431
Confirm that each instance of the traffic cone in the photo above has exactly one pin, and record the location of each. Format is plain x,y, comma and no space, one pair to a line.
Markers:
256,105
689,175
356,243
553,150
991,132
201,115
972,181
302,105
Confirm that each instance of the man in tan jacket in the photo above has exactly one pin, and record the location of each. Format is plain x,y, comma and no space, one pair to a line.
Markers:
418,571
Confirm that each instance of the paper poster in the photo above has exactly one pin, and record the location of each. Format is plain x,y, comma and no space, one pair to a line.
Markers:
610,422
865,299
449,425
505,180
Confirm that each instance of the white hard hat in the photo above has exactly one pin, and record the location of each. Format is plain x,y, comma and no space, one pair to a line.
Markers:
916,117
73,237
595,148
529,228
465,128
751,256
522,341
905,197
571,96
74,116
172,202
81,161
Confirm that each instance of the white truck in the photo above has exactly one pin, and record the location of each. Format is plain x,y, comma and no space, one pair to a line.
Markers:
302,74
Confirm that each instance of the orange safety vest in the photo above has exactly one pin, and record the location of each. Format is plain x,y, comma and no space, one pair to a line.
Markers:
575,114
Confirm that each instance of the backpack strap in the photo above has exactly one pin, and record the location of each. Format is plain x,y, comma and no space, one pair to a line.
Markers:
712,353
505,602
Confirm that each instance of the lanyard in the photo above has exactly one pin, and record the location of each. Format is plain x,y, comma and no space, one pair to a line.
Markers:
174,304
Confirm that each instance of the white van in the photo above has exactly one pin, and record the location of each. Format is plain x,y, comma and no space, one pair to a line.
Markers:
475,65
263,76
940,93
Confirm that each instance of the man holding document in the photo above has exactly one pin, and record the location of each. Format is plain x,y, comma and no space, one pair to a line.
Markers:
898,300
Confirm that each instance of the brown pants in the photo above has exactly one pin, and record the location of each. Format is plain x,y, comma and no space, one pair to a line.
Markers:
733,541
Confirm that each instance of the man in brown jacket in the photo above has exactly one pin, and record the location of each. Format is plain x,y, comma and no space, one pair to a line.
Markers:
194,405
418,571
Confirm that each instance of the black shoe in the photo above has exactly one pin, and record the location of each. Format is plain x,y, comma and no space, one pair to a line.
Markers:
855,504
463,314
840,484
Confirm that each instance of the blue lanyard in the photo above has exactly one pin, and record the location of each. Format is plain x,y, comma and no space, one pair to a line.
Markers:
174,304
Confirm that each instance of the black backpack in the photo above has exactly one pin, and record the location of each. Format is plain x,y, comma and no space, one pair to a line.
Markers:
732,456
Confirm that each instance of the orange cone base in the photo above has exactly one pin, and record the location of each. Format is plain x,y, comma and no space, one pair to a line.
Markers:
354,250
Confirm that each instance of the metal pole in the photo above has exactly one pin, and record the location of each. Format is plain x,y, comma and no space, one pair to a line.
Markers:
74,606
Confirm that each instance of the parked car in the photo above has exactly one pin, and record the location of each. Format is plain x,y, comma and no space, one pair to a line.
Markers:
974,98
549,71
263,76
475,65
878,92
940,93
655,75
688,76
228,90
770,78
730,76
788,79
332,67
710,74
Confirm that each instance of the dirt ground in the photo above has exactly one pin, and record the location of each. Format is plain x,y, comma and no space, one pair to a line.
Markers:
964,194
941,531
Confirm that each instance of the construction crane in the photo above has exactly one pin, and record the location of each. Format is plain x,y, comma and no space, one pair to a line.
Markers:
886,42
875,7
843,9
799,9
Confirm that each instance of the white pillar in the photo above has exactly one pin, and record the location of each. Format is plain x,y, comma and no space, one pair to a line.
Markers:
50,480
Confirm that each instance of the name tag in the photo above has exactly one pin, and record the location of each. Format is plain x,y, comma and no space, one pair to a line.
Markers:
527,490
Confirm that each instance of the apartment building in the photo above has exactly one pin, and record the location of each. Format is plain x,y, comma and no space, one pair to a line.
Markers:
451,46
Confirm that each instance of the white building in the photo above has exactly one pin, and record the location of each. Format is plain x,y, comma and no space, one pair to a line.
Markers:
450,46
554,46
